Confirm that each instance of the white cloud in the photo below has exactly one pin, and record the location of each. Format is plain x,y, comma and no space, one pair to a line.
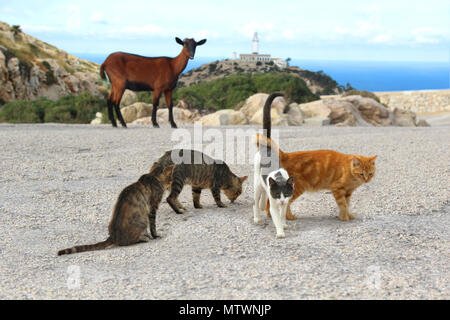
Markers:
382,38
426,35
73,22
206,34
97,17
341,31
33,29
269,31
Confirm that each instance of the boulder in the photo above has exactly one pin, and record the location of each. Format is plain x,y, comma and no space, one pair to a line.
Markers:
423,123
182,104
162,117
371,110
404,118
129,97
136,111
294,115
278,118
98,118
315,109
317,121
256,102
226,117
179,115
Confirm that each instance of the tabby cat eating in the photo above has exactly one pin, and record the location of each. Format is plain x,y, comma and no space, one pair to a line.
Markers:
201,172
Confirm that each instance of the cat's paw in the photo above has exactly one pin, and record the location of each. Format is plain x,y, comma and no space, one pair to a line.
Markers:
257,220
345,217
281,235
351,216
198,206
285,226
179,210
221,205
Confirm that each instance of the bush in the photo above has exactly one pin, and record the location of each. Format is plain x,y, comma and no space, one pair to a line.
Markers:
68,109
226,93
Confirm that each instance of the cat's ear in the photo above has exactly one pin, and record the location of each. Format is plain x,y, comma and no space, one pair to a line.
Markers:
290,181
242,179
272,182
372,159
356,163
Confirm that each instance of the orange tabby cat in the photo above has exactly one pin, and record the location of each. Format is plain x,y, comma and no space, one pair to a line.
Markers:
322,170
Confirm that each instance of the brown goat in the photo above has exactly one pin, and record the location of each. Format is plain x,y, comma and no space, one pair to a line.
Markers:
138,73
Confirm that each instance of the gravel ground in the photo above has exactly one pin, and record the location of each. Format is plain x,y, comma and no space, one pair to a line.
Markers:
58,185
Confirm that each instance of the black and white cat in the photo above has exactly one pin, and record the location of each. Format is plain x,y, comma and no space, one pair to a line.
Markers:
278,188
271,182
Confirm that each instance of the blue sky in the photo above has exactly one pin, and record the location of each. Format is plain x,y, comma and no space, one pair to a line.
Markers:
383,30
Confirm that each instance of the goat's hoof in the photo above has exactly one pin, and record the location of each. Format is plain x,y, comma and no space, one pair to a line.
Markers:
174,126
155,125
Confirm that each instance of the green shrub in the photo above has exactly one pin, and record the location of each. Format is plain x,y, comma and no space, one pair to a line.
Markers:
68,109
226,93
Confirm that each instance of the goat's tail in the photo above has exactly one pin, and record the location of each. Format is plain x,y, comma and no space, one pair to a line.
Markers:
89,247
102,72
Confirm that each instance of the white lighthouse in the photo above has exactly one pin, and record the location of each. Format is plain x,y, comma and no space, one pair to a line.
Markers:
255,43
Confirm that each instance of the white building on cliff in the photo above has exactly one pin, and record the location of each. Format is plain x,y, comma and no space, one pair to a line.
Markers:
255,56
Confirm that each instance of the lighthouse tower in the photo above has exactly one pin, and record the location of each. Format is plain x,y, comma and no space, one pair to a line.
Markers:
255,43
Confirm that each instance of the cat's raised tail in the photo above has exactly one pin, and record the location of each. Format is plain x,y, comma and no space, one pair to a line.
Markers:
89,247
267,120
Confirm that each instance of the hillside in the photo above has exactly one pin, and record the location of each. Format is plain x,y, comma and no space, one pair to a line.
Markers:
30,68
318,82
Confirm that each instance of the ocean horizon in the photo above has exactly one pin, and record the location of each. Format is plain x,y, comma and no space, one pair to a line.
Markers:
381,76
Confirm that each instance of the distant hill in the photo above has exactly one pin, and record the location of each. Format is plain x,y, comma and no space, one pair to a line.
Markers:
318,82
30,68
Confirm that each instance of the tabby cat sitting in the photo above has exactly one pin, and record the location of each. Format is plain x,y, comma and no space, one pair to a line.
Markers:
134,211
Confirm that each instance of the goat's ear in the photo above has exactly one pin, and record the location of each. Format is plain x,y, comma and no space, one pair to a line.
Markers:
201,42
179,41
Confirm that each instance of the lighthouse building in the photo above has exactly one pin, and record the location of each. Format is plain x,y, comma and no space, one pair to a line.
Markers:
255,56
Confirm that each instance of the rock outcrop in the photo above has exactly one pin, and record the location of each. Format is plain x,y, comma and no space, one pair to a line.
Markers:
30,68
181,116
339,111
136,111
225,117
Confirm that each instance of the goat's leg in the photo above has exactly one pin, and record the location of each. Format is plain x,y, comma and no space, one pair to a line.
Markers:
116,101
169,102
119,115
156,96
110,112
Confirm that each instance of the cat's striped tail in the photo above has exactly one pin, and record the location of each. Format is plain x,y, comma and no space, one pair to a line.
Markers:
89,247
269,143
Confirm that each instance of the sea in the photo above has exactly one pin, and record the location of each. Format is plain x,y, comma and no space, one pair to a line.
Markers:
362,75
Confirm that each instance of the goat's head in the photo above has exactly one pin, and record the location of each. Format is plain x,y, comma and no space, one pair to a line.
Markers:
190,45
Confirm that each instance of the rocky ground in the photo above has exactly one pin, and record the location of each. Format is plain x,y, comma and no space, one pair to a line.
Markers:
58,185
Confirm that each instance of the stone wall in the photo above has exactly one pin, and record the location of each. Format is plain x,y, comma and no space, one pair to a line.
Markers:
417,101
